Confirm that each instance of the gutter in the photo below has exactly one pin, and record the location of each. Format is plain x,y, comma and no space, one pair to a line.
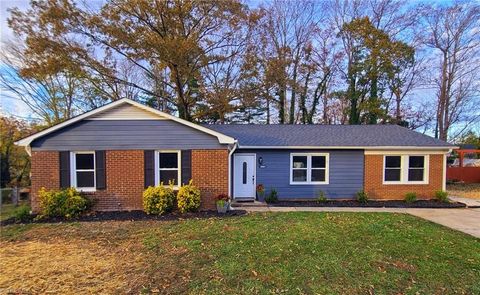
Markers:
235,144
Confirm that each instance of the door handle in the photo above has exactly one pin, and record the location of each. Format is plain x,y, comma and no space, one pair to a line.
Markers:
253,179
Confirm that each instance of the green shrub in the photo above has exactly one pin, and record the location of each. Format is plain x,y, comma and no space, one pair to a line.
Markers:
321,198
66,203
158,200
362,196
188,198
410,197
272,197
22,214
442,196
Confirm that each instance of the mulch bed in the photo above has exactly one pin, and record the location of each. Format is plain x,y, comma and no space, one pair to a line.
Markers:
130,216
371,204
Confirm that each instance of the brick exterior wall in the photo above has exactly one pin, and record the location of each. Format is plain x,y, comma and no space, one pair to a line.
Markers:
45,172
125,185
210,174
377,190
125,178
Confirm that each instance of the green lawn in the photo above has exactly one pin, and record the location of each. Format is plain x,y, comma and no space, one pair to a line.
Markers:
9,210
287,253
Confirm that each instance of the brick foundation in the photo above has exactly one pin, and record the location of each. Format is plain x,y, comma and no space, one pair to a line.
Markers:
210,174
125,178
377,190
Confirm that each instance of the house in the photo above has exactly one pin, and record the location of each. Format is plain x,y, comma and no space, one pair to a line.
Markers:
114,152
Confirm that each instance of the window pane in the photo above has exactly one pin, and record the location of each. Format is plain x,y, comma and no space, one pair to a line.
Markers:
415,174
85,179
84,161
392,174
392,161
318,161
168,160
416,161
318,174
300,175
167,175
244,177
300,162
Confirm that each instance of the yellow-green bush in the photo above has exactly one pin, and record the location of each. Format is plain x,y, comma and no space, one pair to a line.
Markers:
158,199
188,198
66,203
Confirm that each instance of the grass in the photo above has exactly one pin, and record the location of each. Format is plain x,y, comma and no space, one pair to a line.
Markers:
288,253
10,210
465,190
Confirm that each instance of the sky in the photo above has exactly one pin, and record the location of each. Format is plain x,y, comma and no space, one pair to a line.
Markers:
15,107
10,106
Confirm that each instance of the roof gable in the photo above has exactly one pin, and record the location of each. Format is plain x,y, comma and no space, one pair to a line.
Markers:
126,112
118,109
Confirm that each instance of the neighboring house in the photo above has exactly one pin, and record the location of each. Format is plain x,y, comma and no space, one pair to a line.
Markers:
113,152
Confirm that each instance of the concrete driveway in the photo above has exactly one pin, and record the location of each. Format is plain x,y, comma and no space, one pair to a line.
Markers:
465,220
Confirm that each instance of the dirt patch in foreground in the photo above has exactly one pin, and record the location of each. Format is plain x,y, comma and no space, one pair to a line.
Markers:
65,265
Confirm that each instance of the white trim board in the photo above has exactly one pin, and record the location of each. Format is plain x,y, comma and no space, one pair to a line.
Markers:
223,139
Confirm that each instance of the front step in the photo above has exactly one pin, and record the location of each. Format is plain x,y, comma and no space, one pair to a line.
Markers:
247,203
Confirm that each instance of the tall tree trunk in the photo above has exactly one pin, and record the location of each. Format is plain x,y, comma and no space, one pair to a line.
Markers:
293,96
182,103
398,100
325,109
372,116
352,97
281,104
443,99
303,98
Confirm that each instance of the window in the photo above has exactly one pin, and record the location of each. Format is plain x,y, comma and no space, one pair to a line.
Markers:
308,169
416,168
393,167
83,170
405,169
168,167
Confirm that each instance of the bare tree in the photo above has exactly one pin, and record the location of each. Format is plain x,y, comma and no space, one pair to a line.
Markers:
454,36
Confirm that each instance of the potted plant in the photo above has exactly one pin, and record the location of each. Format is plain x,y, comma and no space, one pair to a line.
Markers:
222,201
260,192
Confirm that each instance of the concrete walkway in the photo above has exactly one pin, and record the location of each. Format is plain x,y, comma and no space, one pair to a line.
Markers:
475,203
464,220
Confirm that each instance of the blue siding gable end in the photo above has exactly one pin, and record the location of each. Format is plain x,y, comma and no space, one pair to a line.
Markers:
126,134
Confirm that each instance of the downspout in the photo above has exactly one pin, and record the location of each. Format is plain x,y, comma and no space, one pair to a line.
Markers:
230,168
444,170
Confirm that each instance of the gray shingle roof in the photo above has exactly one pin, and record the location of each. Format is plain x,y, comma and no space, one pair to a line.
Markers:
327,135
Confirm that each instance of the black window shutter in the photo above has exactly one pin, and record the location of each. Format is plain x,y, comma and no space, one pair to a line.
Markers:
149,163
186,166
64,169
100,170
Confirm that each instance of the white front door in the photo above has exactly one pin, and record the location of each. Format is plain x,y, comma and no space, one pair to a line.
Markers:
244,176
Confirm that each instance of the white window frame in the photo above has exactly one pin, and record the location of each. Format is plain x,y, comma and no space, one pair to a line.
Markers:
309,168
404,161
73,171
157,167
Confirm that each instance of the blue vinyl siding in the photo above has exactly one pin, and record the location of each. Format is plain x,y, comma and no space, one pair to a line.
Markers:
126,134
345,174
